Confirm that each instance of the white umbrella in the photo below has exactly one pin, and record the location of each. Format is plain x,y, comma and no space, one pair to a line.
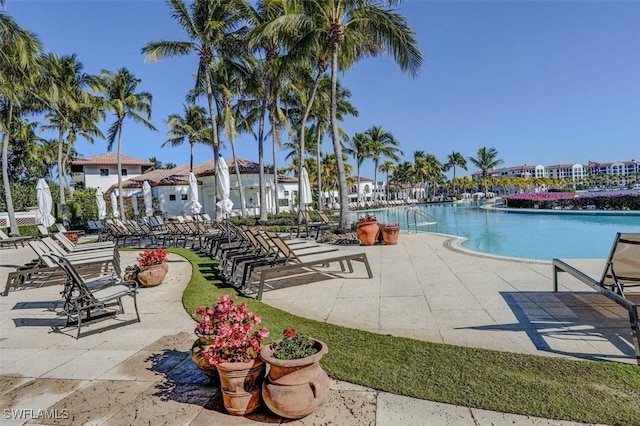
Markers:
114,204
224,187
102,206
45,203
148,199
134,204
305,196
194,204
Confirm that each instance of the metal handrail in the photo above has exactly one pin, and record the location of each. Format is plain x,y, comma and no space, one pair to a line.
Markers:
428,219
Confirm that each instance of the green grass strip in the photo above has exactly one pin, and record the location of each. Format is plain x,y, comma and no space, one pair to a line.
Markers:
555,388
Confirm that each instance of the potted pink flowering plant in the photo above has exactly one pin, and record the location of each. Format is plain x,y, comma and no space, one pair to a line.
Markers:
227,341
151,267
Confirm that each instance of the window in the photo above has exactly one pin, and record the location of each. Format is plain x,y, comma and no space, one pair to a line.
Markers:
104,172
172,197
283,202
286,193
183,197
124,172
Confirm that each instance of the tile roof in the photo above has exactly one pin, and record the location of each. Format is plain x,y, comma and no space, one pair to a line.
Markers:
180,175
111,159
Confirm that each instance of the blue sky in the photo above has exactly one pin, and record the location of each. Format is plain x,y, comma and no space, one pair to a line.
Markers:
543,82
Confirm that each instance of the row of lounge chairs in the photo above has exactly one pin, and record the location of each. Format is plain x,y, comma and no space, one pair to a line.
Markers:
249,257
382,203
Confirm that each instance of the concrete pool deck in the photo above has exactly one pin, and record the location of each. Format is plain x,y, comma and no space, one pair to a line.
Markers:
142,373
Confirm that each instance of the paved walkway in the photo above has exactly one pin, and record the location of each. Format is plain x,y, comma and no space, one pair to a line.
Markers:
142,373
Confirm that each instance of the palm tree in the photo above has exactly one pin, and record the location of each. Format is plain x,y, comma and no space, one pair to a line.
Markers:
386,167
351,30
19,67
157,164
383,145
71,109
455,159
486,160
359,148
213,28
192,127
121,98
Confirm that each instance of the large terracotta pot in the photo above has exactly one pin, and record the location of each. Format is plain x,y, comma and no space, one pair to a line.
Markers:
368,233
390,234
240,383
202,362
153,275
295,388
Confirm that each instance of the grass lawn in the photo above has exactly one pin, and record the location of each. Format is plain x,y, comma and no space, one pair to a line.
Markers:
582,391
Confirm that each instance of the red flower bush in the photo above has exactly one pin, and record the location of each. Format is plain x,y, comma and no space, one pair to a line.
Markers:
293,346
151,257
230,327
366,219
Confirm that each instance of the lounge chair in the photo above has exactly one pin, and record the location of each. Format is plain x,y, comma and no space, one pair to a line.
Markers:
307,257
88,300
620,280
62,228
6,240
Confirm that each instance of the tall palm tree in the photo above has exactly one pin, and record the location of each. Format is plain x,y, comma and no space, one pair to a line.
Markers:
71,108
383,145
19,67
352,30
387,167
121,98
193,127
486,159
360,148
455,159
213,27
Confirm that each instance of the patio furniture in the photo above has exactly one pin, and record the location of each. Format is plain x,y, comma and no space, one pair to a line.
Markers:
305,256
620,280
95,299
6,240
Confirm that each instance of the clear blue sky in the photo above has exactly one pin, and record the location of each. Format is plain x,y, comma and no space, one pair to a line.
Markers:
542,82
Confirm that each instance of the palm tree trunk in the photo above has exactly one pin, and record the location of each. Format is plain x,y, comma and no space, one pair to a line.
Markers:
303,127
337,147
319,171
191,143
214,133
63,203
243,204
375,181
263,112
13,225
120,196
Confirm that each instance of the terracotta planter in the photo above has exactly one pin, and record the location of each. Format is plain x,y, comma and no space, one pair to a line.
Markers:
152,275
240,383
368,233
295,388
202,362
390,234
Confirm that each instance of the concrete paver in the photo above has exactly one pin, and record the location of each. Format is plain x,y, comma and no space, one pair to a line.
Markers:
142,373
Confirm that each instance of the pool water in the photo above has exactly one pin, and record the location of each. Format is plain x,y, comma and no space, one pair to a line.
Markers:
530,235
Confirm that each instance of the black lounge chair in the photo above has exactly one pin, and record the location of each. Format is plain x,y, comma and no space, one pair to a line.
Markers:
93,299
620,280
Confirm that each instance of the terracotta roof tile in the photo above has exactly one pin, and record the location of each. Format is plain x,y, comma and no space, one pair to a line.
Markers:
111,158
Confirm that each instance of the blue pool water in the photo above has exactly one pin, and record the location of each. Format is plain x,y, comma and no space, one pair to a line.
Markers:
529,235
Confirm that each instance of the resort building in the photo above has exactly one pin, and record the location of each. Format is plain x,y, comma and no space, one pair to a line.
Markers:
625,170
101,171
170,187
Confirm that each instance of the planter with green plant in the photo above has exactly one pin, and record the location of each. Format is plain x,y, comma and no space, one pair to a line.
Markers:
296,384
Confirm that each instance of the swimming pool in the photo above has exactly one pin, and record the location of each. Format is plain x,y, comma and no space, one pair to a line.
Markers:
530,235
